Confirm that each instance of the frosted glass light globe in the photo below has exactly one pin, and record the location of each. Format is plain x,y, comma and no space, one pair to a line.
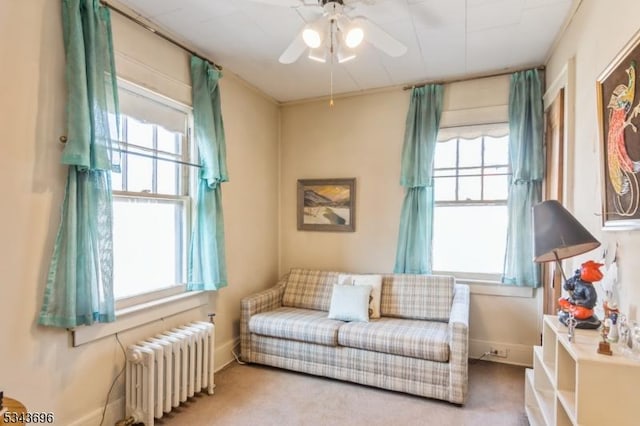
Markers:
354,37
311,38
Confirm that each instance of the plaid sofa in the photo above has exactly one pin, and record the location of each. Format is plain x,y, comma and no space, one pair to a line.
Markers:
418,346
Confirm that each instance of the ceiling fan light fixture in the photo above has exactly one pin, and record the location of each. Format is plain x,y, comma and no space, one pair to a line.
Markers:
312,37
354,37
318,55
345,54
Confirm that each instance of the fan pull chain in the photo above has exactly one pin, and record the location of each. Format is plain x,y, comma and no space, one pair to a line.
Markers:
331,88
331,52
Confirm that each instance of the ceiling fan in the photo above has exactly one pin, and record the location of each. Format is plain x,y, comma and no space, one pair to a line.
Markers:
334,34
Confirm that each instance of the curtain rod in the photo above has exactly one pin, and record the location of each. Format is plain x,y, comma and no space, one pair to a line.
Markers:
156,32
473,77
63,140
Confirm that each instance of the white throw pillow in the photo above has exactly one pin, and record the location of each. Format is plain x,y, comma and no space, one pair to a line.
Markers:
375,281
350,303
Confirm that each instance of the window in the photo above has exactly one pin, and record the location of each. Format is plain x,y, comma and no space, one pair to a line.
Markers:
151,202
471,184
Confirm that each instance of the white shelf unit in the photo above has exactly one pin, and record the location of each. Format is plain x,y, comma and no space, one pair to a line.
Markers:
571,384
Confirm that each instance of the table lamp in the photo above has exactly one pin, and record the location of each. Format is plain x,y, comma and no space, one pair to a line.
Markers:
558,235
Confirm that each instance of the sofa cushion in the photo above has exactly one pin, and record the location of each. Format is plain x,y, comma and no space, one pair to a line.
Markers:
424,297
296,324
375,281
417,339
350,302
309,289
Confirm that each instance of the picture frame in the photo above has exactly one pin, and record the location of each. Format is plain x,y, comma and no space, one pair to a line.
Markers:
327,205
618,95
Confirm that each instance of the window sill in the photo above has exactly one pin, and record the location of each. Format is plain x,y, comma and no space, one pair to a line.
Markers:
135,316
495,288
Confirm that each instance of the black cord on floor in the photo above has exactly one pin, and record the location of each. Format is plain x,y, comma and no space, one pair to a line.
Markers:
104,410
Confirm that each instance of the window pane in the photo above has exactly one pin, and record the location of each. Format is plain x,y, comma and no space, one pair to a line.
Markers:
444,189
469,238
139,133
139,173
150,233
445,155
496,150
496,187
116,181
168,173
469,188
168,141
145,259
470,152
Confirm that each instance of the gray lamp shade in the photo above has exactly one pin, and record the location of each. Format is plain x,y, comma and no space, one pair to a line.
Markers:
558,233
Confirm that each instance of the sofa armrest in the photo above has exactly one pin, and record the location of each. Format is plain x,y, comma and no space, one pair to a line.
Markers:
266,300
459,344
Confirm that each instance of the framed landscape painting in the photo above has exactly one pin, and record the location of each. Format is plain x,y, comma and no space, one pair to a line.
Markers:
326,205
619,119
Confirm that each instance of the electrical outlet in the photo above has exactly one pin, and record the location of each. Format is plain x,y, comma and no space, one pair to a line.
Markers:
500,353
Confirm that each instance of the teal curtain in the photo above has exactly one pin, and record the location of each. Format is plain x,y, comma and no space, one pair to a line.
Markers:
79,288
207,265
413,254
526,157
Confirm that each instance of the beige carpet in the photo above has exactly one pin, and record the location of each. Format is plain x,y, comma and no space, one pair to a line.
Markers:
258,395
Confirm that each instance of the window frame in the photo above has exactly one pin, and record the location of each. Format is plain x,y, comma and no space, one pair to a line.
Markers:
188,183
471,277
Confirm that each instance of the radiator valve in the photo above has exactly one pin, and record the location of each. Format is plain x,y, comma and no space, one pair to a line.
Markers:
211,316
126,422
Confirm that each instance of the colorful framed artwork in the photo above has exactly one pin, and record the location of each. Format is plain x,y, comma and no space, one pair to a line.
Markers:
619,122
327,205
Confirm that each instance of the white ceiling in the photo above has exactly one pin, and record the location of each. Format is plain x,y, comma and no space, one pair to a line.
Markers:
446,39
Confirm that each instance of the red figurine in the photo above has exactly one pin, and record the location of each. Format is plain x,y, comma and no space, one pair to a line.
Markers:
582,296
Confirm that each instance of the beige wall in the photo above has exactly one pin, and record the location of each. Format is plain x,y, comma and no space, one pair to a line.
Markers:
38,365
598,31
361,137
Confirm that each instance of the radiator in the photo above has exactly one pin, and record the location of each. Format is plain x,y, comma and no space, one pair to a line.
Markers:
164,370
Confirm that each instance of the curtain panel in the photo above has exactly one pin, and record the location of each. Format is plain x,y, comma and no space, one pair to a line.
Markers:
413,253
526,158
79,288
207,264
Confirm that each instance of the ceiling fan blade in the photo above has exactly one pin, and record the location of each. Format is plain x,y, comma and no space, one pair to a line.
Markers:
294,51
287,3
380,38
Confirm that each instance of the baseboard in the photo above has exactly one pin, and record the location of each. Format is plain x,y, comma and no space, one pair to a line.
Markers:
114,412
115,409
516,354
223,354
